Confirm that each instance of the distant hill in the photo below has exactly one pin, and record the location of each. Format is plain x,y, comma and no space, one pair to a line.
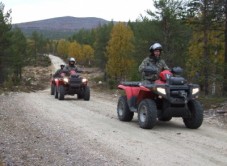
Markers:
60,26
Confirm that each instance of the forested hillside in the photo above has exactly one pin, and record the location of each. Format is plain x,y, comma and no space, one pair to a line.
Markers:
60,27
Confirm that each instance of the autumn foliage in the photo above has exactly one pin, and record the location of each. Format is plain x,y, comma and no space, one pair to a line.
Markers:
119,50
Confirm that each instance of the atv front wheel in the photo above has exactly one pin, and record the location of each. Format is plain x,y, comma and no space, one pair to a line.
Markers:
80,95
61,95
52,89
147,114
86,93
123,111
56,92
164,115
196,119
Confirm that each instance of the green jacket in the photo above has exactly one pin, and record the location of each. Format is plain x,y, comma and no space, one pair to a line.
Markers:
68,67
58,73
159,64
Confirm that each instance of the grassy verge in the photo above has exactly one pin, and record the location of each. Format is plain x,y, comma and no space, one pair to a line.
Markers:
212,102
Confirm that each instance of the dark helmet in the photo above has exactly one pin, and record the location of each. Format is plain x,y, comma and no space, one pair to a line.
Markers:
72,61
155,46
62,66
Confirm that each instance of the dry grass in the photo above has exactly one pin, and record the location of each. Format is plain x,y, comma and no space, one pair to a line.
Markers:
33,79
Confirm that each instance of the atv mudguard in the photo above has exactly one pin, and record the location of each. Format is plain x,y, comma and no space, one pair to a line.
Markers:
59,82
135,93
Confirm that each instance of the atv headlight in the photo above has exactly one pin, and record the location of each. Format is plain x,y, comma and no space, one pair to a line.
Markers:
66,80
195,90
84,80
161,90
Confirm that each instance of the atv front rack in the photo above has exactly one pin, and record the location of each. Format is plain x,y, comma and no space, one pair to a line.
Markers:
138,84
133,83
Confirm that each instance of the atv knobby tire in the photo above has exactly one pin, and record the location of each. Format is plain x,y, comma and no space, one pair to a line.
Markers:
196,119
123,111
86,93
166,117
80,95
61,94
52,89
147,114
56,92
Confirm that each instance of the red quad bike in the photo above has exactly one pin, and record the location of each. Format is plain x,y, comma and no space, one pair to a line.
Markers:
170,96
71,83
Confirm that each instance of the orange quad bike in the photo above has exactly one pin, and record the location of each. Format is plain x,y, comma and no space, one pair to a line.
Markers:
169,96
71,83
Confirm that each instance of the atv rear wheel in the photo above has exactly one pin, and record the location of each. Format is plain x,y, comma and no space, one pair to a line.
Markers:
61,95
123,111
52,89
196,119
147,114
86,93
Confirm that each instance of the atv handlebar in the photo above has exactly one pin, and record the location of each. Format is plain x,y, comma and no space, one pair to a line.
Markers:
177,70
150,70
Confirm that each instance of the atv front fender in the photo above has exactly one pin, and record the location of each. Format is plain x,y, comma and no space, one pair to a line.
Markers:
130,91
59,82
144,93
131,95
135,94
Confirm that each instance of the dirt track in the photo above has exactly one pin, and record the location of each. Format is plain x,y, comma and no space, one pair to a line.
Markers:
36,129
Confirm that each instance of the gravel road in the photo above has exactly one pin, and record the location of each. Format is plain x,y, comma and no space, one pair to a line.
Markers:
37,129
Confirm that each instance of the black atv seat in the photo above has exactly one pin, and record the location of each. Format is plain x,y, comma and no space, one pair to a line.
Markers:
134,83
177,81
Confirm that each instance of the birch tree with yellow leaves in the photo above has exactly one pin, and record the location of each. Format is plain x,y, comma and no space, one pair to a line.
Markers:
62,48
88,54
119,52
75,51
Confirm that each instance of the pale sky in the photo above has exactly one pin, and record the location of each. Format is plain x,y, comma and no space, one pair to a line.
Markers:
116,10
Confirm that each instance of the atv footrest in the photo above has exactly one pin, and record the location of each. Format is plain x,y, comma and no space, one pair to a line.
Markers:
133,109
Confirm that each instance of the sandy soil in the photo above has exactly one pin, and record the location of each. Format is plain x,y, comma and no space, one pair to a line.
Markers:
37,129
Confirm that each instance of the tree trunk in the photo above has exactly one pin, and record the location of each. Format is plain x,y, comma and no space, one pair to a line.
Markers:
205,49
225,57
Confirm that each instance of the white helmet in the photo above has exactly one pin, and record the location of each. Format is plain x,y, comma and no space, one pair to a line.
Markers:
72,60
155,46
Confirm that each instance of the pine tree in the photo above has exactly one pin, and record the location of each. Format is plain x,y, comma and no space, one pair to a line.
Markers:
5,33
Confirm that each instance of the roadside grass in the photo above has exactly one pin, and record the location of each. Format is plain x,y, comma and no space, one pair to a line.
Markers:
34,77
212,102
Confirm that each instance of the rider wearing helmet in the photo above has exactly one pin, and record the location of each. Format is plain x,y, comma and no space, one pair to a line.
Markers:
59,71
71,64
153,61
62,66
